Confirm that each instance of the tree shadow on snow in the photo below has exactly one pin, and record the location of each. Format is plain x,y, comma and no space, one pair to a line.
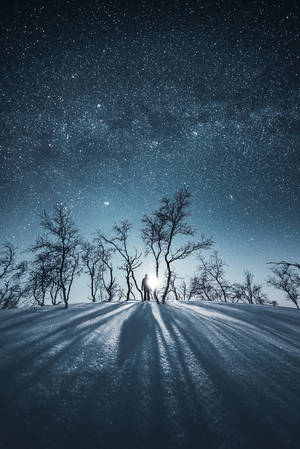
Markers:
144,376
250,386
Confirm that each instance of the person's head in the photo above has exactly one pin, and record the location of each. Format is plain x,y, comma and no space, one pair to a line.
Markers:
146,275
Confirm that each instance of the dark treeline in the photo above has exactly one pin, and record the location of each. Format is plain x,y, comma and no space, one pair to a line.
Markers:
60,255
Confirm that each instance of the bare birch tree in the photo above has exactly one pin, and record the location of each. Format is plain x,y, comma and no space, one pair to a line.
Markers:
249,291
39,279
214,271
91,258
11,277
107,272
153,237
172,218
131,262
201,287
60,246
286,280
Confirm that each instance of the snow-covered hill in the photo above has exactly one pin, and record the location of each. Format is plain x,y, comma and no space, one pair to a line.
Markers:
136,375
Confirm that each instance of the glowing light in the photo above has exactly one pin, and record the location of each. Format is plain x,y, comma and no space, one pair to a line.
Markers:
153,282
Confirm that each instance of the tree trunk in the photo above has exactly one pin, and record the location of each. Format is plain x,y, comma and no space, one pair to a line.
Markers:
156,274
136,285
128,287
92,287
65,298
168,281
111,283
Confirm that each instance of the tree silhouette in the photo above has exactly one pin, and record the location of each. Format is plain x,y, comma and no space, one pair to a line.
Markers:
249,291
171,219
153,237
213,271
91,258
11,274
119,242
106,269
201,287
286,280
60,246
39,279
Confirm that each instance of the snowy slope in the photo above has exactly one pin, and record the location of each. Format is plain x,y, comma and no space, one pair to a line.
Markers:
135,375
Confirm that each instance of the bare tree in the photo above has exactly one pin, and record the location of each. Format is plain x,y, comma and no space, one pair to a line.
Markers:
171,217
119,242
7,260
173,287
214,272
286,280
249,291
107,273
236,293
54,290
60,247
153,237
185,292
91,258
11,275
182,291
201,287
193,288
39,279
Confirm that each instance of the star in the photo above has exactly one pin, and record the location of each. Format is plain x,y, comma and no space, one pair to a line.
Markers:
196,94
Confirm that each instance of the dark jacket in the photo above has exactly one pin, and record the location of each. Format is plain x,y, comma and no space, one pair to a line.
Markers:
145,285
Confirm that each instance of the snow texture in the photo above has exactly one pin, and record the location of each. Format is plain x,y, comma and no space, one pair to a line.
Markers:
138,375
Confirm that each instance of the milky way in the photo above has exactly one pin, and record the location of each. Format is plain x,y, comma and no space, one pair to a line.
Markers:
107,106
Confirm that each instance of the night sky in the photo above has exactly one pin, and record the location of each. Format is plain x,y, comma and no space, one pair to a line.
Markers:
107,106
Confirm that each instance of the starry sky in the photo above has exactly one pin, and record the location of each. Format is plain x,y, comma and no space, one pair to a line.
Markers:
106,106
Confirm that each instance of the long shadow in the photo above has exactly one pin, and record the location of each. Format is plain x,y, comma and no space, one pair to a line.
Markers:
250,336
107,407
263,316
244,416
205,415
256,325
133,331
249,346
170,379
32,315
139,359
191,410
63,321
26,399
42,315
151,406
151,366
137,409
70,336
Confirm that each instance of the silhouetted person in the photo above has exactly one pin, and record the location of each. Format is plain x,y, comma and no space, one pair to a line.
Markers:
146,288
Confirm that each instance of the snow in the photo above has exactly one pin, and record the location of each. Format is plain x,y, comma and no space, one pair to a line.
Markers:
139,375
